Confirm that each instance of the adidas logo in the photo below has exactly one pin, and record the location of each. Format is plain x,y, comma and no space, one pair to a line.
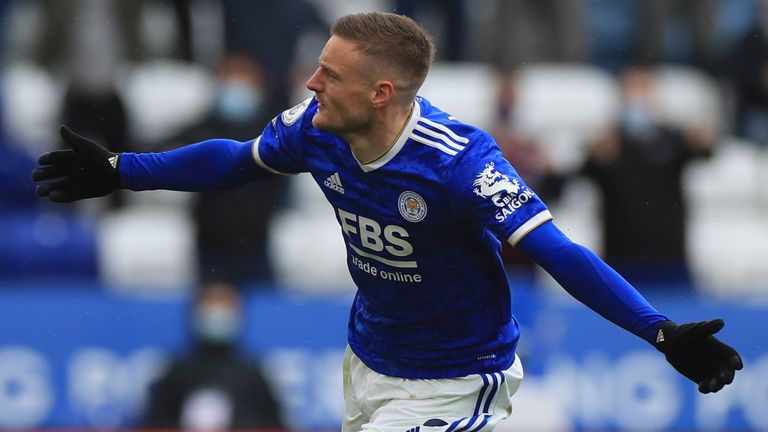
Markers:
113,161
334,182
660,336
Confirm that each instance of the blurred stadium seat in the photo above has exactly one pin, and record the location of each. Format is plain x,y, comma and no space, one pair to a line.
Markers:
727,230
686,97
164,96
563,107
148,245
467,91
36,99
47,244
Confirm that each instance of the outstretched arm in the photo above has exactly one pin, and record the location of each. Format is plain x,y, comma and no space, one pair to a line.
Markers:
690,348
87,170
207,165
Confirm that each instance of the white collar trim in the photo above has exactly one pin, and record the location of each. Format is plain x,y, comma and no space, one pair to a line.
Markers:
395,149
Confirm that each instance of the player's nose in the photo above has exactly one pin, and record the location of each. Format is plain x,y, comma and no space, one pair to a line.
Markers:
313,83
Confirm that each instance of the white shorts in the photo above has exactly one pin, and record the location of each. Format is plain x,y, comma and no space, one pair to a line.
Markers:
473,403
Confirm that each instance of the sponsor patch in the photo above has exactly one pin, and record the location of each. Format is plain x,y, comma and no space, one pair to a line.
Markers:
508,195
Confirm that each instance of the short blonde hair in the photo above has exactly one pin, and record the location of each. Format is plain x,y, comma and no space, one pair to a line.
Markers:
397,42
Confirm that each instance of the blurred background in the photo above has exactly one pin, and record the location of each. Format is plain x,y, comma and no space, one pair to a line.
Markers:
643,125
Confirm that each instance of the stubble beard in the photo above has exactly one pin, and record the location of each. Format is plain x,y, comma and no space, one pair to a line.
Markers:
336,128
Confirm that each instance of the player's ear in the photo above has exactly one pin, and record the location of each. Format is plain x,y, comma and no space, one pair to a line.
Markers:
384,92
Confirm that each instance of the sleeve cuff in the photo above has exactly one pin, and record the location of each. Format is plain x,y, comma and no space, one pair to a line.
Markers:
527,227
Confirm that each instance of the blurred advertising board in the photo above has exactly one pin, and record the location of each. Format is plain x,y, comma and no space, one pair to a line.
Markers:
74,357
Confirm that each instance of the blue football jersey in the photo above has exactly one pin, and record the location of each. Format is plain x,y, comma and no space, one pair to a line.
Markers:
423,227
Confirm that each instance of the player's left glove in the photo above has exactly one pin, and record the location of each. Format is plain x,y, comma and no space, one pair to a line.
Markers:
86,170
694,351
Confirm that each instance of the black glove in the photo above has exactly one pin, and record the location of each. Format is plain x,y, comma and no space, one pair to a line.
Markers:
693,350
86,170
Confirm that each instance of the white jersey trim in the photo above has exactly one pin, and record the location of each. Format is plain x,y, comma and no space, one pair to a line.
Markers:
259,161
527,227
444,129
434,144
441,137
449,143
401,140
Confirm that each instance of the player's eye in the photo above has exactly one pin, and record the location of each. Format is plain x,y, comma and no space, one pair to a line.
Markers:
328,73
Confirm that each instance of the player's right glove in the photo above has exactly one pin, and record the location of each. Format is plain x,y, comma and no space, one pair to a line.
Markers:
85,170
694,351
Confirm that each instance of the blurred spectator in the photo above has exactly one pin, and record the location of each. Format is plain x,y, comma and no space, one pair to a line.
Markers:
638,168
611,28
527,157
269,31
676,31
532,31
522,151
90,38
183,12
232,224
746,67
525,32
625,32
213,387
87,42
3,24
452,28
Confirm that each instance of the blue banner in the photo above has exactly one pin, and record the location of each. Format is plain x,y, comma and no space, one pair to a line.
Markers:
74,357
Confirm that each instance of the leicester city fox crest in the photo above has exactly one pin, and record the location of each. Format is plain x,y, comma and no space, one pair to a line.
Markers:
412,206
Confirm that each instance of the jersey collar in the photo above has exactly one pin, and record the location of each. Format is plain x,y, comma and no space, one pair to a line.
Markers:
389,155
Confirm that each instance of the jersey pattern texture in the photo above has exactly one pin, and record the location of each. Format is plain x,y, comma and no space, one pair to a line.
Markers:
423,227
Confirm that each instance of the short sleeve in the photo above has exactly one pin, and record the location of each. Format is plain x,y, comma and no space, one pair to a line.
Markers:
487,187
279,148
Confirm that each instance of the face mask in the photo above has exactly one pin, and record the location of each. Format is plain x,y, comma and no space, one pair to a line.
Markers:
237,101
217,324
638,121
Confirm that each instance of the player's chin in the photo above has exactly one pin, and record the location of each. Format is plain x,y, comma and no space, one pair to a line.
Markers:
317,122
320,122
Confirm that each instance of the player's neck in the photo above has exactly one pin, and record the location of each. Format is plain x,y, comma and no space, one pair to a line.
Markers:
381,136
